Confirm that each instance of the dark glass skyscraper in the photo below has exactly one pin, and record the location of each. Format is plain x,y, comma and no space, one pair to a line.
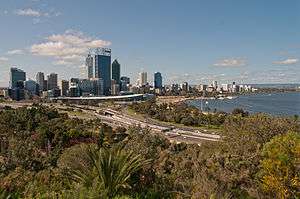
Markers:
157,80
103,69
89,62
115,71
40,79
16,75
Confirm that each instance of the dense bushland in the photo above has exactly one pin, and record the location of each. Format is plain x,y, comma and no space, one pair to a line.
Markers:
46,154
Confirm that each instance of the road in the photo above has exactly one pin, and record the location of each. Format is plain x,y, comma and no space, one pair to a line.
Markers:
115,118
174,134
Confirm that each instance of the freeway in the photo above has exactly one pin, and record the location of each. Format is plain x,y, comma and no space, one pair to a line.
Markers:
116,118
174,134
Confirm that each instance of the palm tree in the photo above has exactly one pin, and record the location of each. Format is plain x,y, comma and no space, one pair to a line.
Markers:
110,172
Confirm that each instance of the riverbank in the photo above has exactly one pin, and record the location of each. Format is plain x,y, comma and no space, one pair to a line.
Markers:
279,104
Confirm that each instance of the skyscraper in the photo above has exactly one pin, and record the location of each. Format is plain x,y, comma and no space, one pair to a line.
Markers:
40,78
32,87
157,80
89,62
115,71
52,81
64,87
103,67
16,75
143,78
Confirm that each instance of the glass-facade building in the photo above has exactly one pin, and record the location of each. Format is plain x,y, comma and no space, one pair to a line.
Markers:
103,71
89,62
115,71
157,80
16,75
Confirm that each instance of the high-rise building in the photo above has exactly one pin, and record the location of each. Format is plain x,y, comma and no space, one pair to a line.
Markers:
98,86
32,87
115,87
115,71
185,86
143,79
16,75
52,81
102,64
157,80
45,85
64,87
74,90
40,78
89,62
125,81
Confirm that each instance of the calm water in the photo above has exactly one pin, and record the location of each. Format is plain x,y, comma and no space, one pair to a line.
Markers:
275,103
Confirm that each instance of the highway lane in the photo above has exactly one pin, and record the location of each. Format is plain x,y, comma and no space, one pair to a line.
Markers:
119,119
177,135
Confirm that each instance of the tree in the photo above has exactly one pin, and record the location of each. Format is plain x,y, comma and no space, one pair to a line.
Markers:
110,172
280,171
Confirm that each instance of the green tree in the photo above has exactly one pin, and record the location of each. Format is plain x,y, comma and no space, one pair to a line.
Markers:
111,170
280,171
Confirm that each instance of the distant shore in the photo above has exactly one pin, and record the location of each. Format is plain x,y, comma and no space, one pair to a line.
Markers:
180,99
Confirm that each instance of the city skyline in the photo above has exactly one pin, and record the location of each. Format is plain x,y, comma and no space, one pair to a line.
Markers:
201,41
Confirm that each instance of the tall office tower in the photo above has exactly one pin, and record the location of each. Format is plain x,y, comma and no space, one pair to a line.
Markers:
32,87
157,80
45,85
102,64
143,78
115,71
16,75
89,62
64,87
40,78
52,81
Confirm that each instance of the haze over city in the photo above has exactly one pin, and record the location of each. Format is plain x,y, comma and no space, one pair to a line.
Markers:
198,41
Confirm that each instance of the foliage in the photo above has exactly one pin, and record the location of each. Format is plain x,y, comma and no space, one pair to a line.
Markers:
60,157
109,170
280,171
178,113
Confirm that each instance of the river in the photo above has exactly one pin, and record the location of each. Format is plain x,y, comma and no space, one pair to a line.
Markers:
281,104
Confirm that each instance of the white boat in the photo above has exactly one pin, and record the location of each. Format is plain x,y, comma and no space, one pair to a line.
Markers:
231,97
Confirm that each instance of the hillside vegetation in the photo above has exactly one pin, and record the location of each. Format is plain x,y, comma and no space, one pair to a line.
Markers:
46,154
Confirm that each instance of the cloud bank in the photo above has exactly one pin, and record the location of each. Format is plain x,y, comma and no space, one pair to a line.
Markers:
68,48
231,62
287,61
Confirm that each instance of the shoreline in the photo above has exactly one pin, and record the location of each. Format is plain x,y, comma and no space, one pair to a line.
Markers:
182,99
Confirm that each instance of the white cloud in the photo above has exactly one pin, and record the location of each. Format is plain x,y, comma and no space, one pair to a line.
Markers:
68,48
3,59
29,12
231,62
287,61
15,52
36,13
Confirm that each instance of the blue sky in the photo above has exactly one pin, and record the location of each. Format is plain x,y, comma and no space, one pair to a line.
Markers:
196,41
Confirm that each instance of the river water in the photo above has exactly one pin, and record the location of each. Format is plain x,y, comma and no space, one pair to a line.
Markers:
281,104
